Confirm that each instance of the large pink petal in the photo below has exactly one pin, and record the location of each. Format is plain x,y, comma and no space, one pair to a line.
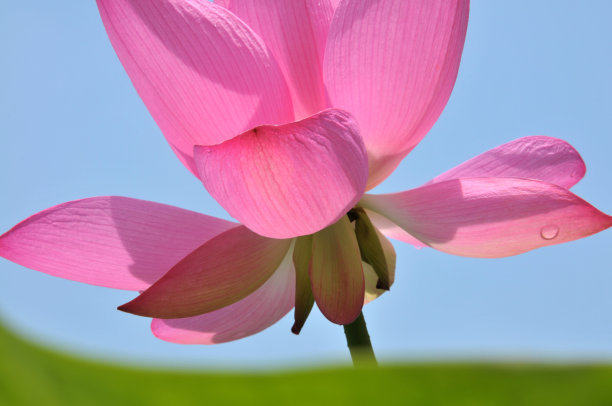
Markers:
204,75
336,273
490,217
223,271
393,65
254,313
296,33
116,242
542,158
288,180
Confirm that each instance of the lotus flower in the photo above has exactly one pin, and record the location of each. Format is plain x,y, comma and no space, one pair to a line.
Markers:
288,112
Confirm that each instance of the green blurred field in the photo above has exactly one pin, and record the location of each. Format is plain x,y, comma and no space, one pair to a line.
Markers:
30,375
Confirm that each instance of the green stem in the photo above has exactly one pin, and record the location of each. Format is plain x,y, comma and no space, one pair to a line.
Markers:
358,341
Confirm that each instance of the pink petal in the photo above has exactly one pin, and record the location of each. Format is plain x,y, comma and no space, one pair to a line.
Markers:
542,158
490,217
336,274
204,75
115,242
369,274
288,180
221,272
393,65
391,230
295,32
254,313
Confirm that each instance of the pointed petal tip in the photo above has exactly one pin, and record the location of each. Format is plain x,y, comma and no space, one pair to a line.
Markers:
492,217
140,308
296,329
258,311
126,308
213,276
382,285
111,241
3,245
304,299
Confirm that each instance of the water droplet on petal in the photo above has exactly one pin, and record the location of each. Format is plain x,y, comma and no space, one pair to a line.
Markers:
549,232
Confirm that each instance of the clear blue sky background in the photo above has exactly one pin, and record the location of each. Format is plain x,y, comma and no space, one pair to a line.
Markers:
72,126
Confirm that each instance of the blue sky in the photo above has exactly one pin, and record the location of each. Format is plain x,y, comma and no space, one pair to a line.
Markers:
72,126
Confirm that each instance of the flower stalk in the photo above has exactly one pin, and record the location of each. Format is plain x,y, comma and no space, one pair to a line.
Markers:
358,341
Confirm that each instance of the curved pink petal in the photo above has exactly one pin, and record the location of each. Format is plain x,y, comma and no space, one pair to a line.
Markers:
542,158
222,271
204,75
256,312
295,32
115,242
288,180
392,230
393,64
336,274
490,217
